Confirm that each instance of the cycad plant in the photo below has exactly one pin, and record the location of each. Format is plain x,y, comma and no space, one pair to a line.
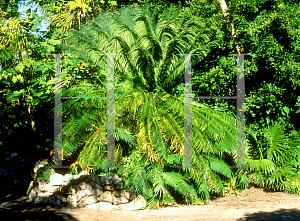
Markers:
149,119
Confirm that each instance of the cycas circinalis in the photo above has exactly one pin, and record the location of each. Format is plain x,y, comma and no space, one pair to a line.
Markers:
145,74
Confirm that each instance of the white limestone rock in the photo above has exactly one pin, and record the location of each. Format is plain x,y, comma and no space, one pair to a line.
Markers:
90,200
56,179
137,204
91,191
67,177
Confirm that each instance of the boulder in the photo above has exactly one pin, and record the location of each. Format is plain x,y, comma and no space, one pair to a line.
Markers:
56,179
101,206
42,198
96,185
98,192
90,200
33,193
108,187
118,185
67,177
85,186
39,167
92,191
71,201
57,200
137,204
119,200
107,179
107,196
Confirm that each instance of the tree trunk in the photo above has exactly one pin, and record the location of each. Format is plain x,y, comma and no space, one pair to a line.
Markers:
235,37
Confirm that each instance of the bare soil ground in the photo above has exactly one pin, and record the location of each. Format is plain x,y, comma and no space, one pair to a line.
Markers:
253,204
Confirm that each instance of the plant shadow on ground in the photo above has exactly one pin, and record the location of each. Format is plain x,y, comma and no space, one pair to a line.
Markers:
278,215
16,207
282,214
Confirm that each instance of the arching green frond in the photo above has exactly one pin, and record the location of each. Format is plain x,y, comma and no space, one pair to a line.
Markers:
179,183
204,190
264,165
137,180
215,183
155,176
254,150
89,156
215,127
243,181
218,166
174,159
124,135
257,178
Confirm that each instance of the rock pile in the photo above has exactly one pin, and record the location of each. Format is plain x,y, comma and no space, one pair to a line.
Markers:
82,190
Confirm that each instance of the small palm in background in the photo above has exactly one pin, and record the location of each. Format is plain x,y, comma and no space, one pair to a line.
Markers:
274,161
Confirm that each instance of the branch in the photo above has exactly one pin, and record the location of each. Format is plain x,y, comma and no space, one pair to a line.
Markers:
235,37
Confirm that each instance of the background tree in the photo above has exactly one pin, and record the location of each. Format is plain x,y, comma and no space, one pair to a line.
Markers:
17,121
266,30
220,69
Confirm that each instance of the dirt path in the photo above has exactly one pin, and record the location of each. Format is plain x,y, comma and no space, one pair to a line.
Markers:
253,204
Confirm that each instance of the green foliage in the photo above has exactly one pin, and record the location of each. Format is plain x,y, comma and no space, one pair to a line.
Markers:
274,163
145,106
45,175
24,89
149,96
267,30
